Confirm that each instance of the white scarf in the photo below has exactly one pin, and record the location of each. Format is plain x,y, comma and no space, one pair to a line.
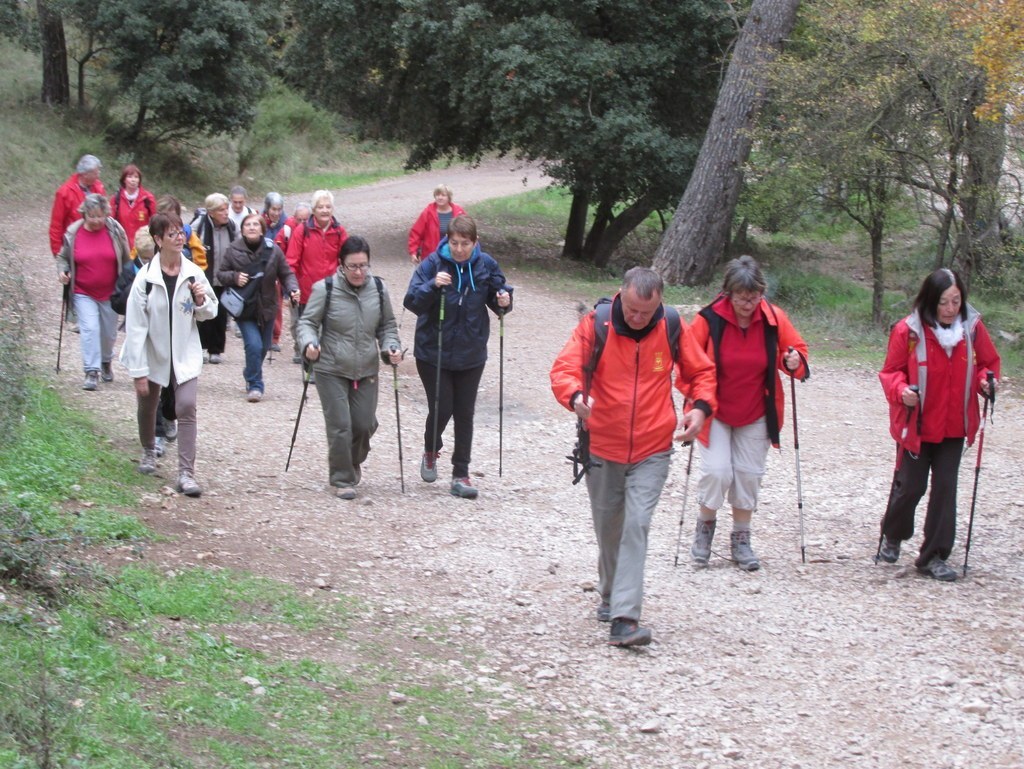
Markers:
950,337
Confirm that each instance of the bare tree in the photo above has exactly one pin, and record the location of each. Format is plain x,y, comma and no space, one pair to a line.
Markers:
697,236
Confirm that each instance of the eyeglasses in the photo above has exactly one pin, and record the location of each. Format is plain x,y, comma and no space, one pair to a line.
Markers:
175,234
745,298
357,267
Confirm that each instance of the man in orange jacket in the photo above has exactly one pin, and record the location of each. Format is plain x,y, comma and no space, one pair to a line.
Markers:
626,405
69,198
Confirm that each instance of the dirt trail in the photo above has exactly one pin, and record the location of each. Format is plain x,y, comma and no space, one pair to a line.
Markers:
833,663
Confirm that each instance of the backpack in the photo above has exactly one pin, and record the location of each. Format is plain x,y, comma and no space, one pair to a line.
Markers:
119,299
329,283
603,318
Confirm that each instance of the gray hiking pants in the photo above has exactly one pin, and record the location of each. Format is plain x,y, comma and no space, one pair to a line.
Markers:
622,502
350,414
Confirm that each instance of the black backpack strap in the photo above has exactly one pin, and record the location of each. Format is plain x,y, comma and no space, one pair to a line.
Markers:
380,293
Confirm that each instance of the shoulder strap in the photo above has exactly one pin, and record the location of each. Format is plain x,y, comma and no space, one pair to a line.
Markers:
674,329
380,293
602,317
329,285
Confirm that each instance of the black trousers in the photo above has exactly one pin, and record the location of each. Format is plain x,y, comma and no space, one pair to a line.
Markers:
909,485
457,401
213,332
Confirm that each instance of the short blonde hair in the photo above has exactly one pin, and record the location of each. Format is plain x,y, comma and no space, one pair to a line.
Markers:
145,247
445,189
215,200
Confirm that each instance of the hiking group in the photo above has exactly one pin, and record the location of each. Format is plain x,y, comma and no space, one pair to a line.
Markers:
616,372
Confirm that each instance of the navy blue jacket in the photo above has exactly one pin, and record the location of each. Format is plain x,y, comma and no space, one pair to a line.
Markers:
467,325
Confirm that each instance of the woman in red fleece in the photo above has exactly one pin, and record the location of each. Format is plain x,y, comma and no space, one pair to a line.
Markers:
938,361
749,339
432,224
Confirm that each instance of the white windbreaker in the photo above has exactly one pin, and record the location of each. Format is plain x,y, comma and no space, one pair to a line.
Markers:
153,343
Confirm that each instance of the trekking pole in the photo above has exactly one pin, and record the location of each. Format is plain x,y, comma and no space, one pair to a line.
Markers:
65,294
501,381
437,380
796,453
895,472
686,493
307,370
977,465
398,421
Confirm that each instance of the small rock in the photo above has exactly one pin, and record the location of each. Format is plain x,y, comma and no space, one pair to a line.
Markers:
650,727
978,707
397,698
546,674
422,721
250,681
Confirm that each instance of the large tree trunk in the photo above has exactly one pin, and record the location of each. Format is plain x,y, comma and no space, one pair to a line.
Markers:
576,229
877,232
696,238
598,250
56,88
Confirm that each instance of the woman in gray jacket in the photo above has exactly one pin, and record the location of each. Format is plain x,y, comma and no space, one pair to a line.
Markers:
346,334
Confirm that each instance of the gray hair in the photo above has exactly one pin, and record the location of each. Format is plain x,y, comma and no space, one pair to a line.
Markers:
94,201
88,163
322,195
272,199
304,204
644,281
743,274
238,189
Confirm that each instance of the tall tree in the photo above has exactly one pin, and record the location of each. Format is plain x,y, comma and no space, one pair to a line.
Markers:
610,97
56,87
183,67
697,236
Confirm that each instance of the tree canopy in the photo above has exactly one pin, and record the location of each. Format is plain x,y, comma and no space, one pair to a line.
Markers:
184,66
612,98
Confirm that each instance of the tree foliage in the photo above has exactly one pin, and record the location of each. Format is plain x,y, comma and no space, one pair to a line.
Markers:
611,97
183,66
875,99
997,31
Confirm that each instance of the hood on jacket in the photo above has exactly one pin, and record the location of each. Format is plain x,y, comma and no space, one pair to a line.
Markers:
445,253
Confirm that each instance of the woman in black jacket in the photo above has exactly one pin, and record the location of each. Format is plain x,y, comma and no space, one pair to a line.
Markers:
254,263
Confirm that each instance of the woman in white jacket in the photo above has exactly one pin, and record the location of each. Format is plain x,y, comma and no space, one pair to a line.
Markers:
162,349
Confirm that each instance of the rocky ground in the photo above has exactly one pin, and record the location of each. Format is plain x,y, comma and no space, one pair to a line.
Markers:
836,662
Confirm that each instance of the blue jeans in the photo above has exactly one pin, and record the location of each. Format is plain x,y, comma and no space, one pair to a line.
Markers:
97,325
257,342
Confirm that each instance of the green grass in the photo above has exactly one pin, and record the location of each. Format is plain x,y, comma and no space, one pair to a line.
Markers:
63,477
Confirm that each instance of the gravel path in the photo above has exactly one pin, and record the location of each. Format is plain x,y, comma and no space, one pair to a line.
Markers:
831,663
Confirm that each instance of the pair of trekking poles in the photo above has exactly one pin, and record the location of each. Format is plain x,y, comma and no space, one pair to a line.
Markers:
307,369
799,485
990,397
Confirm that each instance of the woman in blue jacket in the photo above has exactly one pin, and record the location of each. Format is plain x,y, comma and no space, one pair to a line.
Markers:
458,282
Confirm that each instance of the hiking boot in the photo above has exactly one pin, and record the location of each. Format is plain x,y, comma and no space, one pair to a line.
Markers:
938,569
147,465
92,380
215,358
345,492
461,487
742,552
275,347
106,372
296,359
700,550
254,396
171,430
627,632
890,550
187,485
158,447
206,357
604,612
428,466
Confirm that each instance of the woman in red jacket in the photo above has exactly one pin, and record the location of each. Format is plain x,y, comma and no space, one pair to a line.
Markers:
132,205
938,361
432,224
749,339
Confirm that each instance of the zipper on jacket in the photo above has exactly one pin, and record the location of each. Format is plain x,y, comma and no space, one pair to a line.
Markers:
632,415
